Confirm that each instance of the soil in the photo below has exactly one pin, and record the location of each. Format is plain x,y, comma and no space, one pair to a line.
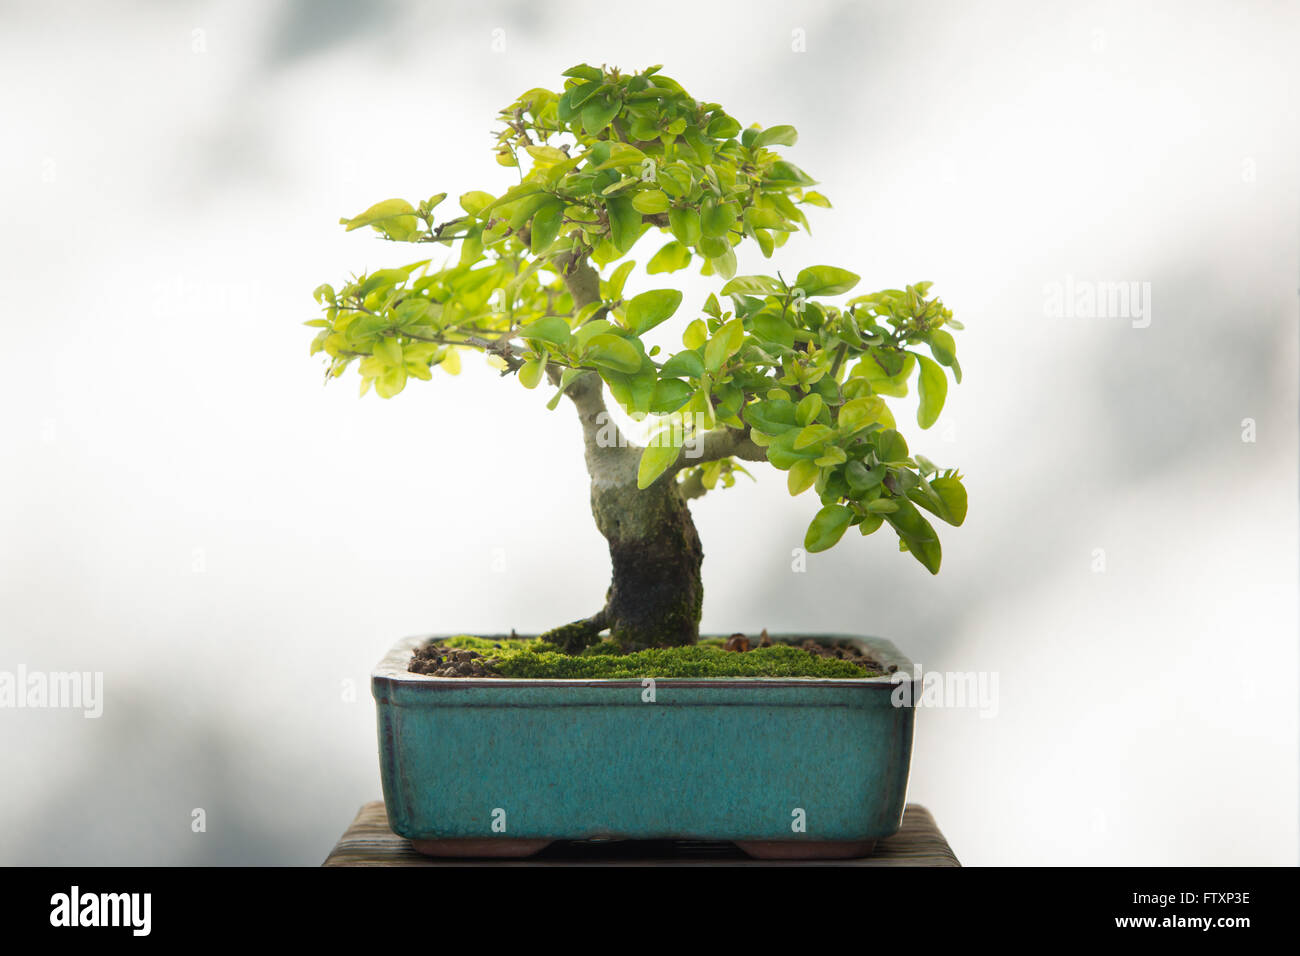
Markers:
438,660
845,652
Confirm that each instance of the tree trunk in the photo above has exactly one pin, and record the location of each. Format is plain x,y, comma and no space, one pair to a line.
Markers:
656,592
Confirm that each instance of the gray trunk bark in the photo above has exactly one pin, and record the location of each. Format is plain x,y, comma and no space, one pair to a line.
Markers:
656,592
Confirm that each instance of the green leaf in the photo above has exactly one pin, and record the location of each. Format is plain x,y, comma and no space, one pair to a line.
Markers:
634,392
717,218
669,395
566,379
811,435
944,350
806,412
511,197
598,112
612,288
612,352
379,212
890,445
787,174
651,202
861,412
724,264
825,280
782,454
584,72
686,363
827,527
675,180
772,326
723,126
943,347
752,285
521,211
886,370
391,382
684,223
772,416
725,343
696,334
475,201
648,309
862,479
624,223
670,258
388,351
580,94
530,373
658,457
932,389
777,135
546,225
945,499
870,523
551,329
916,534
801,476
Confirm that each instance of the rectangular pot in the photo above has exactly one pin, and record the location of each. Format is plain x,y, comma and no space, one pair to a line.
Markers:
783,766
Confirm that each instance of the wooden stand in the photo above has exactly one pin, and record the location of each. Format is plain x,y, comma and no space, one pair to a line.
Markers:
369,842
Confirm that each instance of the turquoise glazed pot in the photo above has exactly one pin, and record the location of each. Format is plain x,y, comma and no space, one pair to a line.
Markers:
785,767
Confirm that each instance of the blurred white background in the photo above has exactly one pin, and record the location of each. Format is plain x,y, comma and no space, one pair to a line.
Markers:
184,507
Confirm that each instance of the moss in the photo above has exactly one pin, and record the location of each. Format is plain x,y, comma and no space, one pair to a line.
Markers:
531,657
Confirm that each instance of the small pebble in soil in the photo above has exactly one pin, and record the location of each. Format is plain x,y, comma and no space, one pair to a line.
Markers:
450,662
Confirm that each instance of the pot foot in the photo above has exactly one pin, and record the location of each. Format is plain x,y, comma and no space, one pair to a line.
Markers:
494,849
806,849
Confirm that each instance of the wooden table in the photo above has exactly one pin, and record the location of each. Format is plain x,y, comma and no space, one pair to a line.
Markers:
369,842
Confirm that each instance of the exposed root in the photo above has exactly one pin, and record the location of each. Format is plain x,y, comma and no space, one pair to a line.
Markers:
572,638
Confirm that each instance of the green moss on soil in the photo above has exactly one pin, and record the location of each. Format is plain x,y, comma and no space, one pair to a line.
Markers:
531,657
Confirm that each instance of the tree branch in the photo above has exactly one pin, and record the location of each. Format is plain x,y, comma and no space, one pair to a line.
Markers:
610,455
692,486
723,443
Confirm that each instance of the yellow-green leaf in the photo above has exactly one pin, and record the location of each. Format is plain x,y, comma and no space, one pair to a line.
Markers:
861,412
609,351
648,309
801,477
932,389
827,527
670,258
388,209
650,202
545,225
530,373
658,457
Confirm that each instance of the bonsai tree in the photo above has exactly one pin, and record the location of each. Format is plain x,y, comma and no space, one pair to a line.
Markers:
769,369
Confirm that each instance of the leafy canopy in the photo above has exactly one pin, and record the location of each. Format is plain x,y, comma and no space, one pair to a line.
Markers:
607,159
